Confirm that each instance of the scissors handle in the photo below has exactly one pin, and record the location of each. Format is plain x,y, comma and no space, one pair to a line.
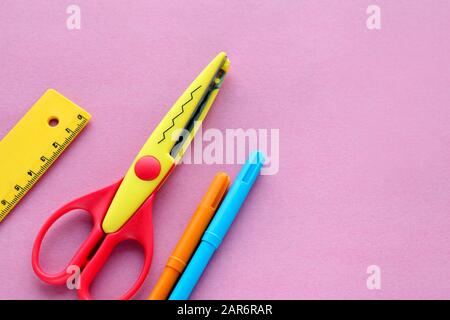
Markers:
95,204
139,228
97,247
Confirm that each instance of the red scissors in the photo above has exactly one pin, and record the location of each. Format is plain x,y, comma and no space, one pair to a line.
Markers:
123,210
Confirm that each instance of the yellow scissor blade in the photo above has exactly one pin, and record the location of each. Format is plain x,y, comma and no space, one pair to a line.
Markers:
178,127
167,143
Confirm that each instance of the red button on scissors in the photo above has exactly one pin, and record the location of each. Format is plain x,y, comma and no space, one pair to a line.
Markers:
123,211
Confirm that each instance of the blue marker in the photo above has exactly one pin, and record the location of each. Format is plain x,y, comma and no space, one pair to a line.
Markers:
219,226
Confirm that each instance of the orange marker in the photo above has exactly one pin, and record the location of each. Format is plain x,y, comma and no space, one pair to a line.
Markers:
191,237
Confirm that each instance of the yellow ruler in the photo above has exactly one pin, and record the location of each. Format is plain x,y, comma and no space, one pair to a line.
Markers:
36,141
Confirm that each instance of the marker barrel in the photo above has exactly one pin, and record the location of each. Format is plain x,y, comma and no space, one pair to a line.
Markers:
191,237
219,226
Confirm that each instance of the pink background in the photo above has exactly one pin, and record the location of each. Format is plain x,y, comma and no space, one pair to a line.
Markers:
364,139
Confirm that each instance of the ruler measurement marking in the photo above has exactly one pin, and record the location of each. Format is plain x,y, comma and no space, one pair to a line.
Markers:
7,205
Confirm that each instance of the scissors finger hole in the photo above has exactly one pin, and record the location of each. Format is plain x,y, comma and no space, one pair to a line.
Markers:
63,239
120,271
